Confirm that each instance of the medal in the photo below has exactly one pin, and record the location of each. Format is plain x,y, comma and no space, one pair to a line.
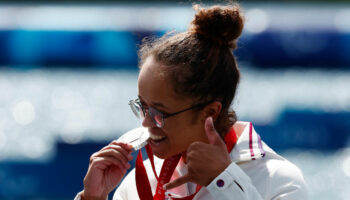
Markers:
137,138
142,182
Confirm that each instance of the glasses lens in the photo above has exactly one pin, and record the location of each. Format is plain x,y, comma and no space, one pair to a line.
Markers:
156,116
136,108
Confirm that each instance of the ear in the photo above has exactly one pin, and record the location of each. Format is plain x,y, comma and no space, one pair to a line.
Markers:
212,110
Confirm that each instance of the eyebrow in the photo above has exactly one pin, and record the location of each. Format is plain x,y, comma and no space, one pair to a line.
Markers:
155,104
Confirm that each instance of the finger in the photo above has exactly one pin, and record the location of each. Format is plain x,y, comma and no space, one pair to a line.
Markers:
125,164
177,182
120,149
126,146
213,136
103,162
195,148
113,154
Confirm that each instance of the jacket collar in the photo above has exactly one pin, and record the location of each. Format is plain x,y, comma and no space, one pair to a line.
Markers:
249,145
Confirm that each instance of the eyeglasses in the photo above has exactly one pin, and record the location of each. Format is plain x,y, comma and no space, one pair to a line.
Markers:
156,116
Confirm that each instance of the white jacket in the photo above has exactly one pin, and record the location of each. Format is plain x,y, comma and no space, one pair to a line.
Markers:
256,173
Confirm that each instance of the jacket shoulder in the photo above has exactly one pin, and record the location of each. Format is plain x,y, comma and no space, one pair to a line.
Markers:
285,180
275,177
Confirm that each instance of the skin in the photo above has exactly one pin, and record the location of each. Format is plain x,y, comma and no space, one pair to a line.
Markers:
155,91
106,169
197,140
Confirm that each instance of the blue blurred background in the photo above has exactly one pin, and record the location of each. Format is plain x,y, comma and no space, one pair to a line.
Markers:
67,71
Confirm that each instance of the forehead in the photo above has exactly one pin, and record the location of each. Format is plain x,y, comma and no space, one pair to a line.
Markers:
153,84
152,67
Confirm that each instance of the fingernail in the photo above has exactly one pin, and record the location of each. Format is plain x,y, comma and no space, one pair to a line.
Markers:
164,187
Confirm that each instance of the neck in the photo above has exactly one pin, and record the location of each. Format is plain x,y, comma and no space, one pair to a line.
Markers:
239,128
184,157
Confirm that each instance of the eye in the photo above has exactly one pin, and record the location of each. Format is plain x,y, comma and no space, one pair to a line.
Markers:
163,112
144,105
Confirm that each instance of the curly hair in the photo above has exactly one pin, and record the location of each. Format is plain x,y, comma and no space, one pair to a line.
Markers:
200,62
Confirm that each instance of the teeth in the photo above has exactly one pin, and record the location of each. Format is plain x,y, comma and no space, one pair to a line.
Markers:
156,137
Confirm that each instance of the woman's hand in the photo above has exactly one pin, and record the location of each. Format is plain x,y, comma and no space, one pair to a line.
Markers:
204,161
106,169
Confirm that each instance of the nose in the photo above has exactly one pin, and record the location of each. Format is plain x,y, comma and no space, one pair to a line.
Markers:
147,121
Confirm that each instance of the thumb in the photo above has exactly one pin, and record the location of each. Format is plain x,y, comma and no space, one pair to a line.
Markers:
213,136
177,182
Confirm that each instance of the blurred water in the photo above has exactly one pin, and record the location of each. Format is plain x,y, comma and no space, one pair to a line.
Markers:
39,108
45,106
326,173
42,107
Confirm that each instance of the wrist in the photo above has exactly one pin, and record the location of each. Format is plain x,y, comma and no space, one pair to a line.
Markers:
221,169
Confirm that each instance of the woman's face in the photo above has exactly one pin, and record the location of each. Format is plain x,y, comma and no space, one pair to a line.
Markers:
179,131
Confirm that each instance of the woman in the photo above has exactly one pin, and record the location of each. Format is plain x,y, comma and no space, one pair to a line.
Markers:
186,84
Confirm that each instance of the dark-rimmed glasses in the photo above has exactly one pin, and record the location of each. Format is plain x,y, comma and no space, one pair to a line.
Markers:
156,116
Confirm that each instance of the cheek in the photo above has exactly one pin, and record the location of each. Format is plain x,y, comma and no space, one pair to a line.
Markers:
177,133
185,132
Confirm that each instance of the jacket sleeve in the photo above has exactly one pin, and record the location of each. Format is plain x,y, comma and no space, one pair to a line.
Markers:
233,183
284,183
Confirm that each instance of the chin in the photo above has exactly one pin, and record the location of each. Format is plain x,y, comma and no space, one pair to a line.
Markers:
165,155
162,155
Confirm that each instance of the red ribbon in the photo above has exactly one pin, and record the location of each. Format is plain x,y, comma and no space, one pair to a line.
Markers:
142,183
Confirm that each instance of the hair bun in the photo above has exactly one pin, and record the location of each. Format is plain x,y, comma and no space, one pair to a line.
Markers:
221,24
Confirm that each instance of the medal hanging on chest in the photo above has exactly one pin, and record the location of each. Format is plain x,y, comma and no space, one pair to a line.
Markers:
142,182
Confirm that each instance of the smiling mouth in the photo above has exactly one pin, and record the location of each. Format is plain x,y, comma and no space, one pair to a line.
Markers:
157,138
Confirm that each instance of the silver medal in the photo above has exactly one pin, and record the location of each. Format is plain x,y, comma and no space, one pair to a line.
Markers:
137,138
